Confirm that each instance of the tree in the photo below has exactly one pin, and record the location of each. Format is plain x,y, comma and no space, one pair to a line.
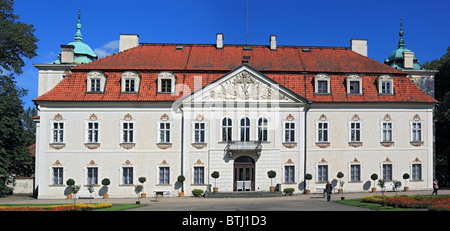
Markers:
15,159
29,125
442,114
17,40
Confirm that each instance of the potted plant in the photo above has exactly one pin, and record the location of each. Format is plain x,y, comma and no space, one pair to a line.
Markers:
374,177
288,191
197,192
181,179
271,174
70,184
142,180
215,175
138,190
406,177
308,177
341,183
105,183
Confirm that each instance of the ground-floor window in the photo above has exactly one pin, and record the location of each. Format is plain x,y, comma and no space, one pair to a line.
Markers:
58,176
416,172
199,175
92,176
387,171
322,173
289,174
127,175
355,172
164,174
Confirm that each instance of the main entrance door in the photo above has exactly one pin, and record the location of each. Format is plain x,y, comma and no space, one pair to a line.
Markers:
244,174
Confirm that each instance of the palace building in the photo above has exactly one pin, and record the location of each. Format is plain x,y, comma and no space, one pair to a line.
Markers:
164,110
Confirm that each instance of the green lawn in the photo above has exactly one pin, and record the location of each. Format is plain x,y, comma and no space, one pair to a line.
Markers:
374,206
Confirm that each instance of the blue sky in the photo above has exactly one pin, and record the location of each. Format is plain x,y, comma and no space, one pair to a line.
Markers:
295,22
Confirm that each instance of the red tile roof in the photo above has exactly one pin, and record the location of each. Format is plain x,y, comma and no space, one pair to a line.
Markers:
290,66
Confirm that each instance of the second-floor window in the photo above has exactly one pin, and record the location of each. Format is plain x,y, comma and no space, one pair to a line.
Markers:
245,129
289,132
58,132
322,132
262,129
164,131
128,132
199,132
92,132
227,129
355,132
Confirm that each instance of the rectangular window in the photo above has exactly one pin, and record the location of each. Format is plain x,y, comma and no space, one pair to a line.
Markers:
355,172
355,131
262,129
129,85
227,129
92,176
57,176
354,87
164,132
322,174
92,132
387,132
322,132
199,175
416,172
127,132
289,174
58,132
199,132
386,87
166,85
127,175
289,131
322,86
95,84
387,172
164,174
416,131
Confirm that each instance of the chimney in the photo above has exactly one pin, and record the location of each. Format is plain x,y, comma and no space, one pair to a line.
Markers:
67,53
359,46
128,41
273,42
408,57
219,44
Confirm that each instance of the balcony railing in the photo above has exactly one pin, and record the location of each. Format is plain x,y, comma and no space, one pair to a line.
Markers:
235,146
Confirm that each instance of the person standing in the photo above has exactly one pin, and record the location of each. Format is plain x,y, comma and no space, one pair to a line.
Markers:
328,190
435,186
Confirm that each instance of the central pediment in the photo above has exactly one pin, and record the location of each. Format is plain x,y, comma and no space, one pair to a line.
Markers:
244,85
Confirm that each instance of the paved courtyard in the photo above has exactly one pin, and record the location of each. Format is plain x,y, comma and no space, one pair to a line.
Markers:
301,202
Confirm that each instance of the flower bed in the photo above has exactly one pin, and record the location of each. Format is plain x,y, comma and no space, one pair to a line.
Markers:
435,203
64,207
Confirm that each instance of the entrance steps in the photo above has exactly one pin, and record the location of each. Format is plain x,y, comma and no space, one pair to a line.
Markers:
242,194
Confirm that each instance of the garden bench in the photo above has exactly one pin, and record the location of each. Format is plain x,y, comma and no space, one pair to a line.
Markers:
162,192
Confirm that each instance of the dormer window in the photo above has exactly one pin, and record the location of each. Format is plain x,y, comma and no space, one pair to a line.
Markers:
130,82
354,85
386,85
322,84
95,82
166,82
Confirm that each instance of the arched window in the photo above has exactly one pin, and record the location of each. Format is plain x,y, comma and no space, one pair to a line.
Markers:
245,129
263,129
227,129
